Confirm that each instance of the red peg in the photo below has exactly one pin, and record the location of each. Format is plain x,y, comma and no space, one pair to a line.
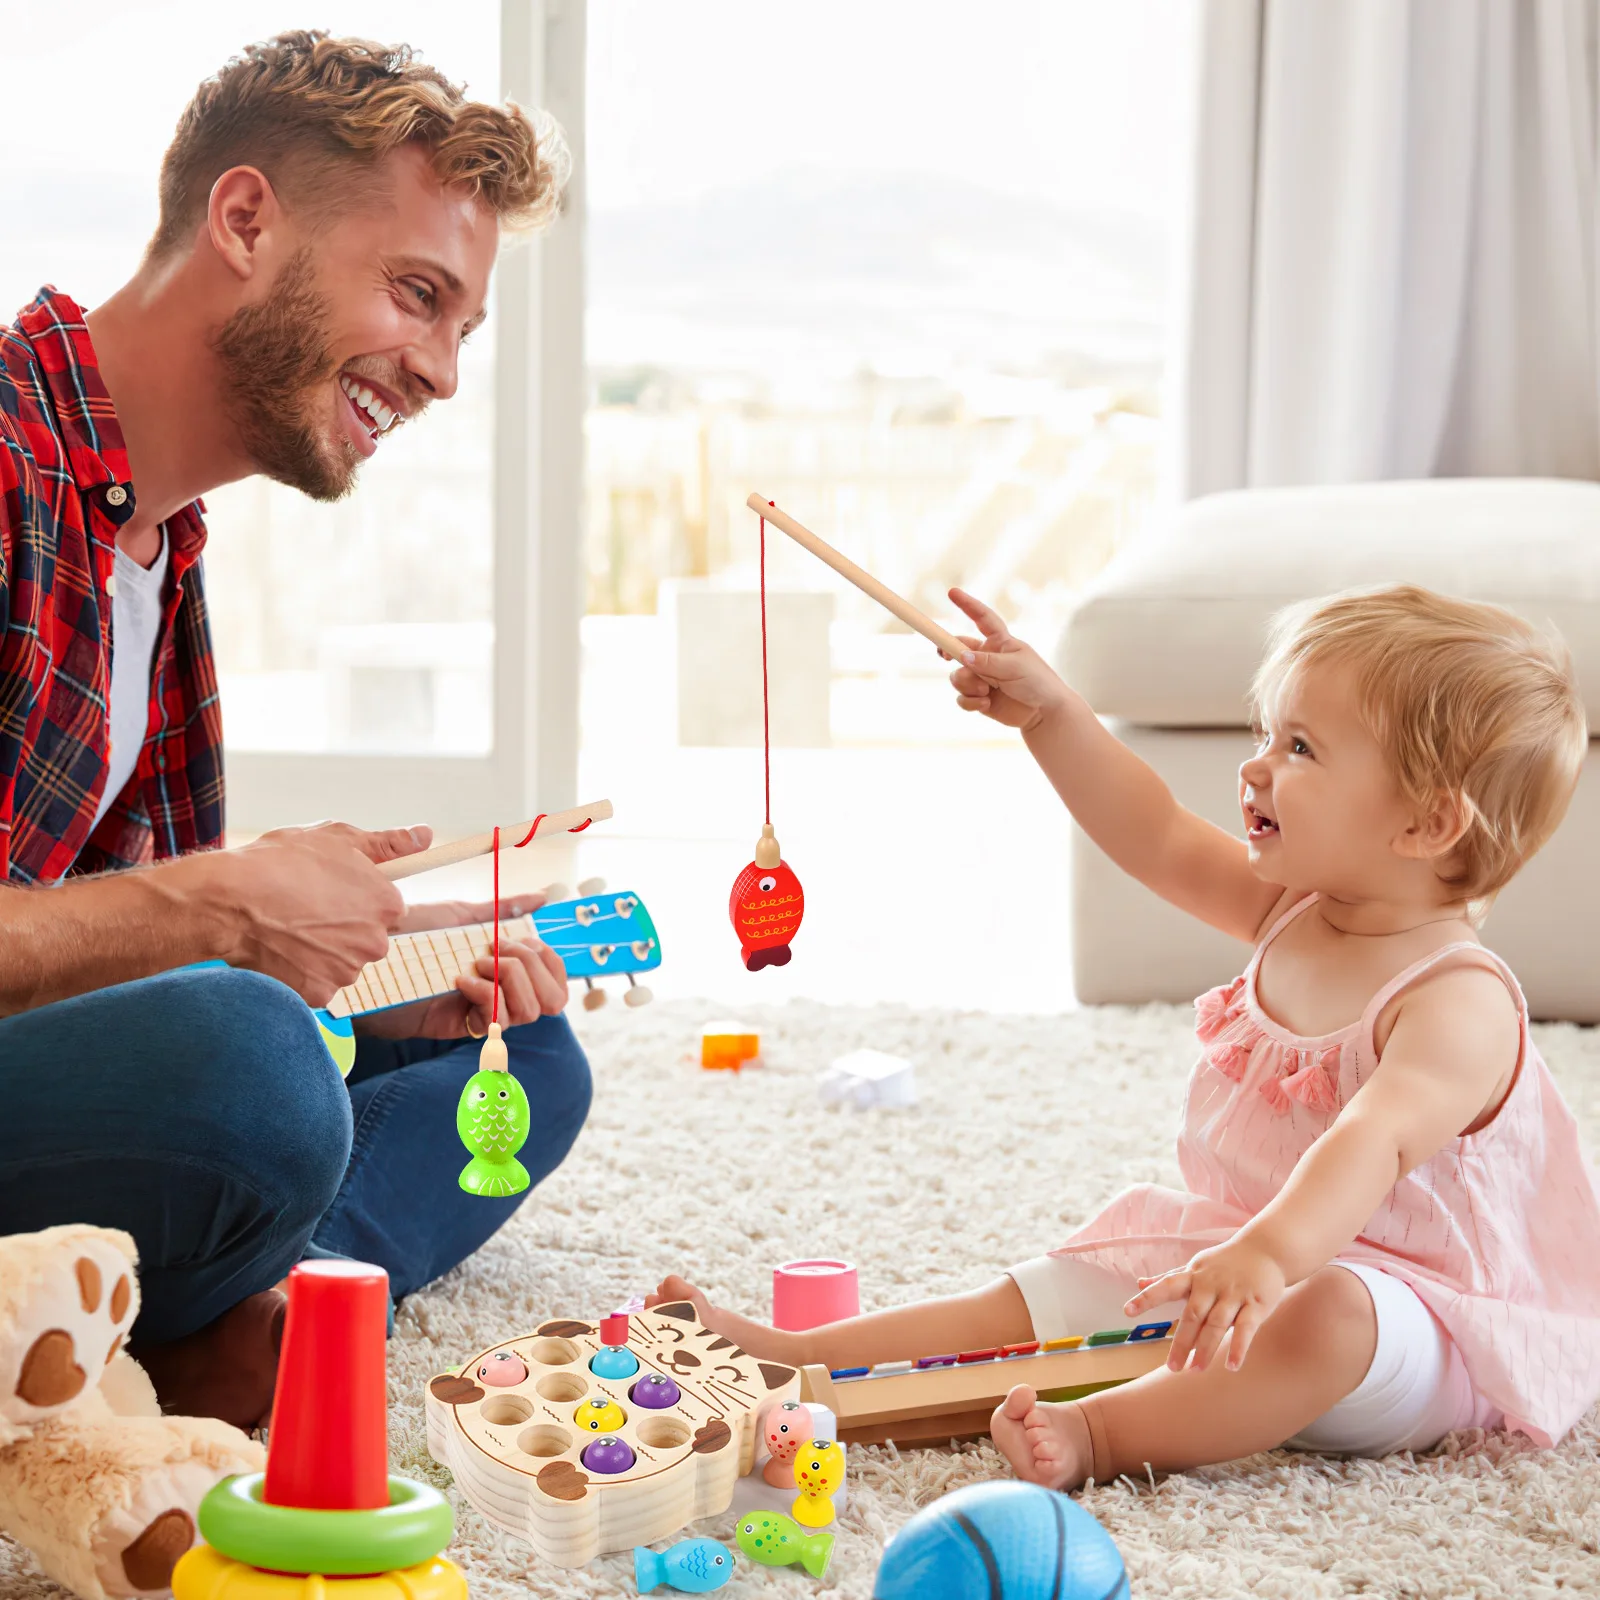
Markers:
614,1329
328,1449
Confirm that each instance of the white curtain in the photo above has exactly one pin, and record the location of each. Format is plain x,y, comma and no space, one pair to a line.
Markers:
1392,263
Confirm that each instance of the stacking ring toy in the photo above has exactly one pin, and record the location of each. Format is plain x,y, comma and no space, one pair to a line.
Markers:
207,1574
416,1524
325,1518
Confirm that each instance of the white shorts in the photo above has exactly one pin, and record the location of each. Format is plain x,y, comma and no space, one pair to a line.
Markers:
1415,1392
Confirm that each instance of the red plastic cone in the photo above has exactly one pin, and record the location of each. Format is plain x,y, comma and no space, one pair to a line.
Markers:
328,1449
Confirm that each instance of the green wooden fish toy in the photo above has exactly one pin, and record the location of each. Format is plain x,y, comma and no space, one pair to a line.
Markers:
778,1541
493,1119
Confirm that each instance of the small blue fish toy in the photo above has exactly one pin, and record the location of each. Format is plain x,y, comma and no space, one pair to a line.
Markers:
697,1566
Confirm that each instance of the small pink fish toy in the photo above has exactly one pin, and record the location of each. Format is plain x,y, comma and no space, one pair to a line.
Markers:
785,1428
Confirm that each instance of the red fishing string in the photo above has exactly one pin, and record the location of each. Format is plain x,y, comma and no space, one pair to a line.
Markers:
766,726
494,1013
533,828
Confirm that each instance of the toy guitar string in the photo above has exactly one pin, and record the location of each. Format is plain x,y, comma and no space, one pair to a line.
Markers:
767,902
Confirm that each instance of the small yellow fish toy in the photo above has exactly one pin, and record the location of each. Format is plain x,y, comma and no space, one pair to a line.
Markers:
818,1472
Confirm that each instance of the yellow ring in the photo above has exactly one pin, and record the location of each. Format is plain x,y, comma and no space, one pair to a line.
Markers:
207,1574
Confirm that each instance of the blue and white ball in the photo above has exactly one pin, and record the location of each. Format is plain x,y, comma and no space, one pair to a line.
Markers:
1002,1541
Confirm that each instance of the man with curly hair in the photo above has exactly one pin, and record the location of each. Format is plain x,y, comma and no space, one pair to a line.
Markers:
330,215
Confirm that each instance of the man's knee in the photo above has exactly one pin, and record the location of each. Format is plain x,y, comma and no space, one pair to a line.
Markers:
256,1067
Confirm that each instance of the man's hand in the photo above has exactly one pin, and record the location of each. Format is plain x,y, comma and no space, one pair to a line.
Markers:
1006,679
1235,1285
309,904
533,983
467,913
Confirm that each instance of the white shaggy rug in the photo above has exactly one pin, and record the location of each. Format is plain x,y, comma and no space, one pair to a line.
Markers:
1024,1126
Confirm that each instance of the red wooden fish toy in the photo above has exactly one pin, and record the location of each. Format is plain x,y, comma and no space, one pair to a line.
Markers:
766,906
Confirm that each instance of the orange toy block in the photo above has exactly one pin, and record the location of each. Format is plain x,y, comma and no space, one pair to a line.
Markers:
726,1046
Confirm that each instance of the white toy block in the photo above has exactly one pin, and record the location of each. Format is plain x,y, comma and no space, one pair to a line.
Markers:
867,1078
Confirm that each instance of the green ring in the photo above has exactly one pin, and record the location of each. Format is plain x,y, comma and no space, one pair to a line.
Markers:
415,1526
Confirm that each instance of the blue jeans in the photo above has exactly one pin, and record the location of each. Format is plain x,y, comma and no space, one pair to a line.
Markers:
200,1112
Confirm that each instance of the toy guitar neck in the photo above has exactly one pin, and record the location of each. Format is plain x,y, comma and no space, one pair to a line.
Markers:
597,935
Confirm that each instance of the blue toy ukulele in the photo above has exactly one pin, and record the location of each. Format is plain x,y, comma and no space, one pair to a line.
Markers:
597,935
593,935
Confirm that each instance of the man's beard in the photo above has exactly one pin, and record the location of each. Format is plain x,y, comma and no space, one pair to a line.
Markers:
274,357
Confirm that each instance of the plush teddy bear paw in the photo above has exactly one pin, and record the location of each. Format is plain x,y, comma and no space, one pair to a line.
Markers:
67,1299
136,1546
167,1465
142,1565
107,1504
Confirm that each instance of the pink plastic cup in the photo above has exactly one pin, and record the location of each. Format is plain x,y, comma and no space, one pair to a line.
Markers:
805,1294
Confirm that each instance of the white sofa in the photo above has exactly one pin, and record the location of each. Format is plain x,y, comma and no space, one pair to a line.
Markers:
1166,642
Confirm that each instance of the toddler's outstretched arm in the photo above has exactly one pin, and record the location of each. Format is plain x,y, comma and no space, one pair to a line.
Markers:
1447,1064
1117,799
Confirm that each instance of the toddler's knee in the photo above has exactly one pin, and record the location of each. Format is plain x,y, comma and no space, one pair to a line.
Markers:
1329,1310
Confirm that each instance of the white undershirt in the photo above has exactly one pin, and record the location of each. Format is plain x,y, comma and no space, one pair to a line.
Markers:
135,626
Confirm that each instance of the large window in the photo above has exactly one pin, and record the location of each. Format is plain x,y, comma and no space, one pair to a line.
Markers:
903,268
361,667
906,271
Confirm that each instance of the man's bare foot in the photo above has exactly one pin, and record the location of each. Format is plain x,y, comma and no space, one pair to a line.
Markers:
768,1344
1045,1441
227,1369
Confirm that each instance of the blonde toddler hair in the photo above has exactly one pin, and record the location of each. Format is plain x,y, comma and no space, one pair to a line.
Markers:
1465,699
316,115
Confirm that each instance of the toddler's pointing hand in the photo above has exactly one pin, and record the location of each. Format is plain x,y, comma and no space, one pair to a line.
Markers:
1000,675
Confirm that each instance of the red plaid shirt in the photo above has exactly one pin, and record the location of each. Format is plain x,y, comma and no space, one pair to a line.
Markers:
64,492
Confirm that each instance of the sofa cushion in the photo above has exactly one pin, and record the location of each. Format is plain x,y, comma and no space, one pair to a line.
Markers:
1172,632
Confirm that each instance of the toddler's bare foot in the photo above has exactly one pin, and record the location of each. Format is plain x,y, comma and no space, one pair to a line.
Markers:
1045,1441
769,1344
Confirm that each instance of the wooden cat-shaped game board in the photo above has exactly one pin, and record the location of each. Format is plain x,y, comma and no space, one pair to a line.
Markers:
581,1462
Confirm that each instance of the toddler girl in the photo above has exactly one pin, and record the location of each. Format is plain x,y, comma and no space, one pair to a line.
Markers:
1389,1228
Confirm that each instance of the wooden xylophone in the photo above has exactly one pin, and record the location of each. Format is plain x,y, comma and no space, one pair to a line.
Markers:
938,1398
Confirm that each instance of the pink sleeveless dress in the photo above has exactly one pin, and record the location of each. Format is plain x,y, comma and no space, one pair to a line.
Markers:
1498,1234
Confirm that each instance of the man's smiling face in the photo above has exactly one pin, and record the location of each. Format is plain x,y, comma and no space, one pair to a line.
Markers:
360,329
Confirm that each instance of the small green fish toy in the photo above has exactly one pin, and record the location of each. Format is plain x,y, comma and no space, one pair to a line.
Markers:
778,1541
493,1119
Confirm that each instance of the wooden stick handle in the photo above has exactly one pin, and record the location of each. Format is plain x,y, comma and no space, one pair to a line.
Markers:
859,576
480,844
